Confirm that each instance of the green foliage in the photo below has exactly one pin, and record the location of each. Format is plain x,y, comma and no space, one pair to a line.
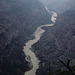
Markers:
69,71
61,72
73,67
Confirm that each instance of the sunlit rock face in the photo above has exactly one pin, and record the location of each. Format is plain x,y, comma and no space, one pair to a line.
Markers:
59,6
18,20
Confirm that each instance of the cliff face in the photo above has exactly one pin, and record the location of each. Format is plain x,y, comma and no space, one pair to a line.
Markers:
18,20
57,43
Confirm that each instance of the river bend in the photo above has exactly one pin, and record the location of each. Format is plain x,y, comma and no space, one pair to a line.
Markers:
34,61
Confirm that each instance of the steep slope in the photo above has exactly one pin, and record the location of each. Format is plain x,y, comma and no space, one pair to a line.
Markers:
57,43
18,20
60,6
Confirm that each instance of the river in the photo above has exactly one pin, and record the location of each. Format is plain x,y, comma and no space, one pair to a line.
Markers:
30,56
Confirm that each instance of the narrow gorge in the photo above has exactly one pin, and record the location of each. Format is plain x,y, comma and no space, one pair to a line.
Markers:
30,56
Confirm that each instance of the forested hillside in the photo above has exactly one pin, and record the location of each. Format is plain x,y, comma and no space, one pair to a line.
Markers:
60,6
57,43
18,20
